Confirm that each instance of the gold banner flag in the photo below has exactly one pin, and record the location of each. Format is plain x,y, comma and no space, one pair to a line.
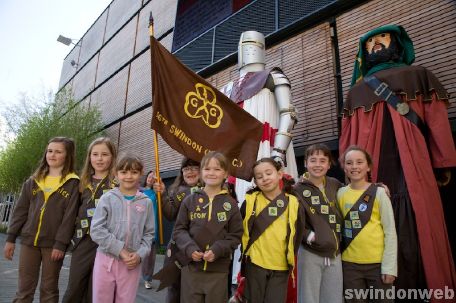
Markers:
194,118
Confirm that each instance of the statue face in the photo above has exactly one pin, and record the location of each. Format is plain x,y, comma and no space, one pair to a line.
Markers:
378,42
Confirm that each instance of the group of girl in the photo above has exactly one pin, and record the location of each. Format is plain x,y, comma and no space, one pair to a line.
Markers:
101,217
114,229
345,237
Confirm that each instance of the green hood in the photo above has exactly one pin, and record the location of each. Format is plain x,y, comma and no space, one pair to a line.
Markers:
407,55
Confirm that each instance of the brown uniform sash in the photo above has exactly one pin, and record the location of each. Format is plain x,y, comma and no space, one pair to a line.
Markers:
258,224
171,271
358,216
316,202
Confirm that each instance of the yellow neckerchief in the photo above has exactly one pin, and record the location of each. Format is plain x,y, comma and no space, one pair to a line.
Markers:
90,187
40,184
221,192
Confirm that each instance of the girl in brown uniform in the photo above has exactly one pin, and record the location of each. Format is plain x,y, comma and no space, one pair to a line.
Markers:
48,201
207,230
97,177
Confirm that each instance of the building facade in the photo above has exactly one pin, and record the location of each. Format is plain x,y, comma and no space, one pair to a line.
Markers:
314,42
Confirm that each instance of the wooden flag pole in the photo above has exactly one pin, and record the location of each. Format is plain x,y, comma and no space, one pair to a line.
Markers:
157,161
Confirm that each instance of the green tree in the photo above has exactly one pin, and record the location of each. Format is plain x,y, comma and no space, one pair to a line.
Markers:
34,125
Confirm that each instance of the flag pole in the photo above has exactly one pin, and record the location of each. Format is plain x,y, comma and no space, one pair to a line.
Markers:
157,161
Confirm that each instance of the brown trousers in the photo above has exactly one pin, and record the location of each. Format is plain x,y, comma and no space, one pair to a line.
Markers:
359,277
203,287
30,260
264,285
79,287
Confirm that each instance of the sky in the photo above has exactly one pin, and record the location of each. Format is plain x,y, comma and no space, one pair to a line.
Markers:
31,59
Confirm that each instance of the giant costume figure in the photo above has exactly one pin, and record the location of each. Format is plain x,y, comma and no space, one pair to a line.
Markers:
266,95
398,112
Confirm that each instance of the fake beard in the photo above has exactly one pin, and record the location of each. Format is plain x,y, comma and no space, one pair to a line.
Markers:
384,55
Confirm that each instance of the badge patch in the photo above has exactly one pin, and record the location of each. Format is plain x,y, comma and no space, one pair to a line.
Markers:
362,207
79,233
272,211
324,209
338,228
348,224
356,223
90,212
332,218
227,206
140,208
198,208
84,223
348,233
193,189
315,199
221,216
280,203
354,215
306,193
200,200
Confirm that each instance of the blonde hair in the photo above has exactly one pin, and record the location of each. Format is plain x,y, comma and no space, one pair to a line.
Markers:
87,170
68,167
217,156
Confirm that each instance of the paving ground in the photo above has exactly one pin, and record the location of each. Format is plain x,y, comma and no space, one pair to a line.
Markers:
9,271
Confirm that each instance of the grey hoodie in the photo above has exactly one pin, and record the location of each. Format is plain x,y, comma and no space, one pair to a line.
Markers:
120,223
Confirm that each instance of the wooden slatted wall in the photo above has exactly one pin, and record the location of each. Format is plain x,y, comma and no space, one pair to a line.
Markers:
430,24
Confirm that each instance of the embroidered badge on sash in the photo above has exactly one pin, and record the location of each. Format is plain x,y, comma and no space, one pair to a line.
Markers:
348,233
90,212
198,208
306,193
221,216
200,200
280,203
272,211
324,209
193,189
348,224
227,206
312,210
338,228
332,218
354,215
315,199
362,207
79,233
84,223
356,223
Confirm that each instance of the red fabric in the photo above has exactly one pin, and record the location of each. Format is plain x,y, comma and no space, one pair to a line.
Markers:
364,129
292,291
268,133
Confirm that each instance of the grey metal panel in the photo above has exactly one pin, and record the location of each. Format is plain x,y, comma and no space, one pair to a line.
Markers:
110,97
69,70
136,136
139,86
119,12
164,13
93,38
117,52
84,81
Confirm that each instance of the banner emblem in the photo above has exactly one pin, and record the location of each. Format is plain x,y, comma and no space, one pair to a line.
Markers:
201,104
